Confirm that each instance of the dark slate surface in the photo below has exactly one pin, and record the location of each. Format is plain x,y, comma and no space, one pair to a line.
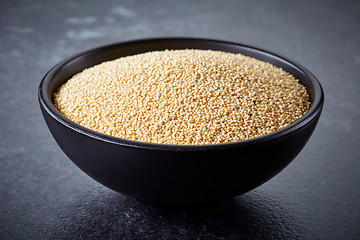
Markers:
44,196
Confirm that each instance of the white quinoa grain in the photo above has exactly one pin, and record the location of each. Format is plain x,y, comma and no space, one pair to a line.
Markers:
183,97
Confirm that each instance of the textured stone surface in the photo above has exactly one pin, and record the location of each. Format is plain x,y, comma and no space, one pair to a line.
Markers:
44,196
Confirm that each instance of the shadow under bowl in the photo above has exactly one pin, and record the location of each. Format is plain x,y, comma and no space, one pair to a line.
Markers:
177,174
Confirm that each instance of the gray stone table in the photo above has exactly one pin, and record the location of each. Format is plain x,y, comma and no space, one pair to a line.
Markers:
44,196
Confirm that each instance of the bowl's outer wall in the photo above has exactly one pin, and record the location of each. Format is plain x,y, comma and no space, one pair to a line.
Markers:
172,176
179,177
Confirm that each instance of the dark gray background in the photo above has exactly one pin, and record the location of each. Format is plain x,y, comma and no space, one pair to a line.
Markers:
44,196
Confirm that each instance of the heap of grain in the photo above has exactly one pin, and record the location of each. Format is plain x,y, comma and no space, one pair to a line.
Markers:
183,97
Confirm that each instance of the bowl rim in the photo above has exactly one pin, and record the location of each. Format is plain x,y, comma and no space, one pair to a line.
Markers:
46,103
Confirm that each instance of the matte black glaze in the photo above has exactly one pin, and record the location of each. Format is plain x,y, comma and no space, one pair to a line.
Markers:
177,174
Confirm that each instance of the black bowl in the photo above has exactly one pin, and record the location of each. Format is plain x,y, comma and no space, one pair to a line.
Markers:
177,174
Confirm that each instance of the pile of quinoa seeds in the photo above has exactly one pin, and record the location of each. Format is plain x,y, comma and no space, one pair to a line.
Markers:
190,97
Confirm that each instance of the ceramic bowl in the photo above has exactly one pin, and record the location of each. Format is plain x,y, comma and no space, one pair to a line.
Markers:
177,174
